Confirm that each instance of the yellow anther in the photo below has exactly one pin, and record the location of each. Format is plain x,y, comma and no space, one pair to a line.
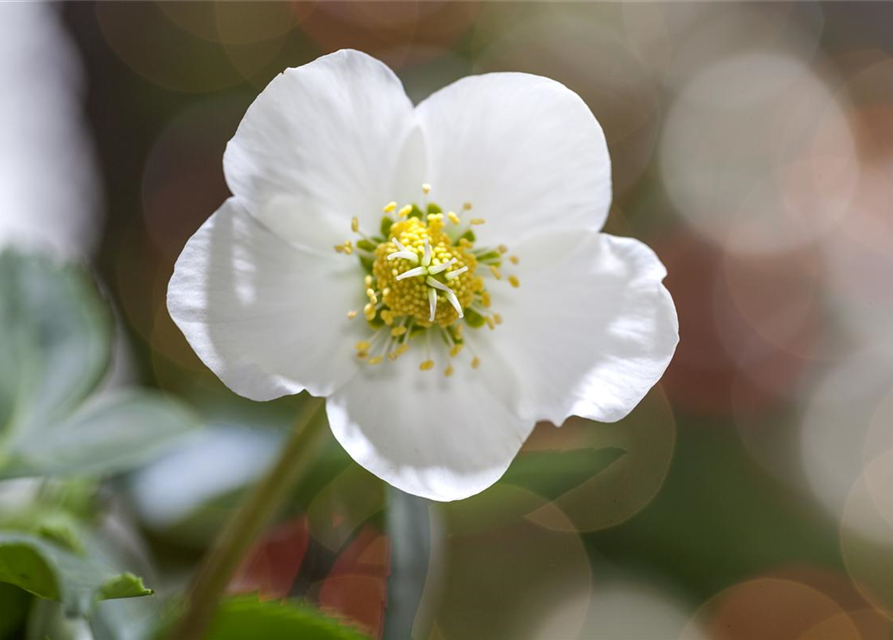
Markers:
427,365
485,299
490,322
368,281
354,224
362,345
513,280
369,311
475,363
375,360
453,217
389,207
362,355
351,315
372,297
466,206
405,211
495,271
396,332
477,221
455,350
502,248
403,348
497,318
393,355
346,247
514,259
448,371
426,187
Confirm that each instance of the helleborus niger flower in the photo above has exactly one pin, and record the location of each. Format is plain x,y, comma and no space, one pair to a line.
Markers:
436,272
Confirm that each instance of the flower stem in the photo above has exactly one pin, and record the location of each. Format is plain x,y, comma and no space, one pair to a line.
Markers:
247,522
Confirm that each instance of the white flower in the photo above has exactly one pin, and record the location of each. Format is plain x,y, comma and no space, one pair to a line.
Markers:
559,319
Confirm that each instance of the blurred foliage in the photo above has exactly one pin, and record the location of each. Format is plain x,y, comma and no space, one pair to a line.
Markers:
58,345
248,617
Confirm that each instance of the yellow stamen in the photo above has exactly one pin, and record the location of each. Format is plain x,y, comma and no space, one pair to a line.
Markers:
486,300
502,249
351,315
354,224
453,217
513,280
405,211
426,187
497,318
396,332
448,371
495,271
475,363
345,248
477,221
372,297
375,360
490,322
455,350
389,207
514,259
466,206
362,345
427,365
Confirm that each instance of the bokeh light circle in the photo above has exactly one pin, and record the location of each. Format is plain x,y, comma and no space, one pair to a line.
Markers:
739,134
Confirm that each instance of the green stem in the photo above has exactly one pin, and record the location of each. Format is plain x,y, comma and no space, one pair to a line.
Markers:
247,522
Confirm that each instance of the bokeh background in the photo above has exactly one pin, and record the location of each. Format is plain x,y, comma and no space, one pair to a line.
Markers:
751,493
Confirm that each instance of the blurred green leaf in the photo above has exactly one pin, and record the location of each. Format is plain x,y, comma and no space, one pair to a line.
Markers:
552,473
107,436
53,573
56,340
13,609
248,617
57,525
125,585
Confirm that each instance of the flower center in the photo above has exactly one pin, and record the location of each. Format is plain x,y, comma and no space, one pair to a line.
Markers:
423,276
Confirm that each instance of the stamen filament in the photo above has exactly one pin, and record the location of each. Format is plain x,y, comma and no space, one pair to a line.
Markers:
407,255
431,282
443,266
451,275
418,271
432,303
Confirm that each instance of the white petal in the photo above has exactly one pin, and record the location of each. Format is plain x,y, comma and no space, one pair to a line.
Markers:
524,150
339,133
436,437
591,328
267,316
